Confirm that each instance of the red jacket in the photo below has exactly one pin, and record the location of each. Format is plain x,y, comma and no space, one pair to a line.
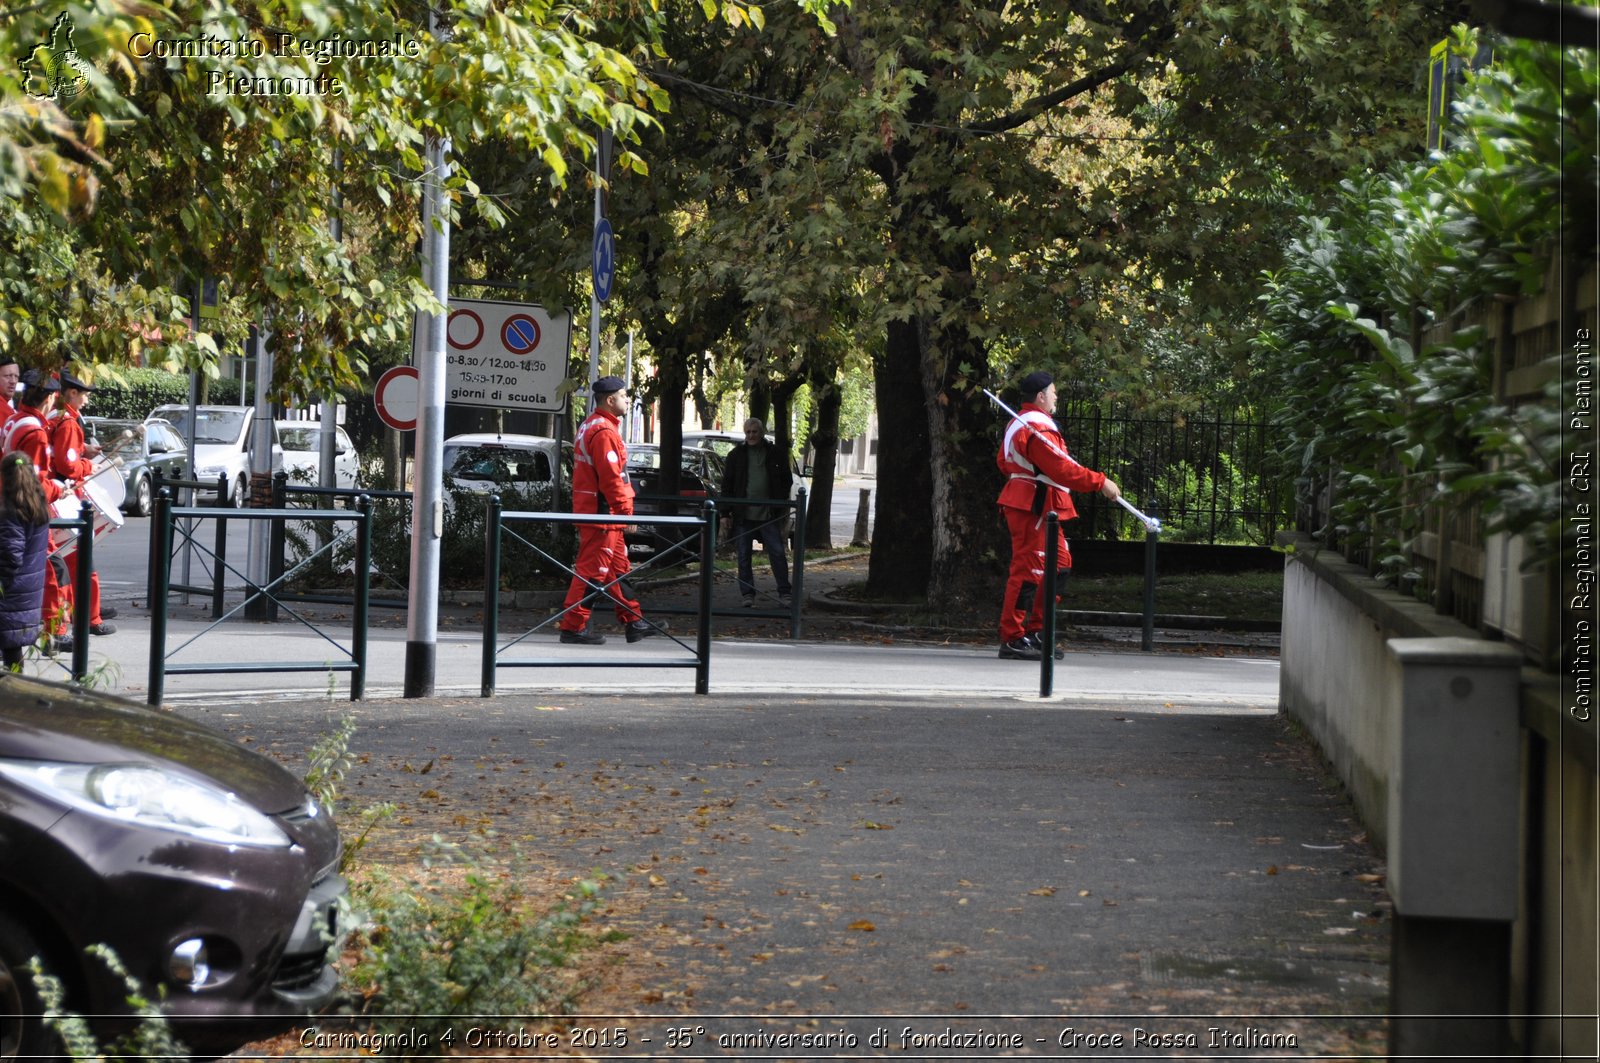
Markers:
66,444
600,481
27,433
1035,460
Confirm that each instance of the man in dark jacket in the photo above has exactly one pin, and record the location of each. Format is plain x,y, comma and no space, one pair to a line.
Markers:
755,469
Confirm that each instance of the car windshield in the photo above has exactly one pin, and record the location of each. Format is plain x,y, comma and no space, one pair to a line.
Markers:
716,444
644,457
300,438
496,464
211,426
117,445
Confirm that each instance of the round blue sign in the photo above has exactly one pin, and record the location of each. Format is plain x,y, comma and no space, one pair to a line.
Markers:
605,260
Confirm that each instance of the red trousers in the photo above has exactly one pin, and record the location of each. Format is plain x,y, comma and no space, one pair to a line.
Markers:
94,588
56,611
1022,610
602,562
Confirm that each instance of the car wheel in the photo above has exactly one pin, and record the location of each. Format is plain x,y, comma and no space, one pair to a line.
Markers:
142,497
22,1030
240,490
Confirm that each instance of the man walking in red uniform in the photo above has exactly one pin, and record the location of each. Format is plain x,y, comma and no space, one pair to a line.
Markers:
600,485
1040,476
70,461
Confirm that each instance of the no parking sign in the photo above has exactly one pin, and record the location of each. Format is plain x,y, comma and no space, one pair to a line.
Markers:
510,356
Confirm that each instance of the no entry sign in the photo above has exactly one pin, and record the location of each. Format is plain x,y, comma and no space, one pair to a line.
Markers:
510,356
396,398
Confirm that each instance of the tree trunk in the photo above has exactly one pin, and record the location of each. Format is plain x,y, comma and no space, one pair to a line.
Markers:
827,397
902,538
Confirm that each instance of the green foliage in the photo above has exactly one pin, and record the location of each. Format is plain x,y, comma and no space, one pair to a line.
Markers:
463,944
1388,422
149,1040
132,393
1187,495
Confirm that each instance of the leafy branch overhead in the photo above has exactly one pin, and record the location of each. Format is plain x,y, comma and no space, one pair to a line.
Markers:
269,147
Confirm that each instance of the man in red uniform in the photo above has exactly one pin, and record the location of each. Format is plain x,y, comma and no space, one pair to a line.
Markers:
600,485
70,460
29,433
1040,476
10,377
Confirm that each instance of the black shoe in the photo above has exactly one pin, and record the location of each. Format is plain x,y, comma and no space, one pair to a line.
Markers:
643,629
54,647
108,612
1037,638
1019,650
582,638
102,628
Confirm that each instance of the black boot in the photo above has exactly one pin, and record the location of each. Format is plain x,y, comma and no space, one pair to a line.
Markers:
1019,650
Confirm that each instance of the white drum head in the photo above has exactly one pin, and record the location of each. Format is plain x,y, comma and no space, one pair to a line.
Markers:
107,493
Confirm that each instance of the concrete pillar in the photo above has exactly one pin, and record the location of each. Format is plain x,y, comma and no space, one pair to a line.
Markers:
1453,818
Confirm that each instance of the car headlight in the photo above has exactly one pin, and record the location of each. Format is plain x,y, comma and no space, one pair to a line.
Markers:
211,472
150,797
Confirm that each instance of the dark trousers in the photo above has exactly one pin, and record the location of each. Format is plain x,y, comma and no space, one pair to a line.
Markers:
770,532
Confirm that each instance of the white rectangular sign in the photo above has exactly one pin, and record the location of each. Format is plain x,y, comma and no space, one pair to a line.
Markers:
509,356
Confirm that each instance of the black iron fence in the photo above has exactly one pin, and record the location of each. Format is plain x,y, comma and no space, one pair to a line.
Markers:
1214,477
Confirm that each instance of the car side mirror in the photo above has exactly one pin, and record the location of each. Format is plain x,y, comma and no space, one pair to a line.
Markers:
158,448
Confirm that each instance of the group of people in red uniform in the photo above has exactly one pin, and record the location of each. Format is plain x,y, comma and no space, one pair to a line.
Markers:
42,417
1040,476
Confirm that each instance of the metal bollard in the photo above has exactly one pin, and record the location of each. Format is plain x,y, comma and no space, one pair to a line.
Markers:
1148,641
1052,558
862,536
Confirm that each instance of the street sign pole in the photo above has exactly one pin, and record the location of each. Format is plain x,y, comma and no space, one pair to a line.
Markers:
427,504
604,259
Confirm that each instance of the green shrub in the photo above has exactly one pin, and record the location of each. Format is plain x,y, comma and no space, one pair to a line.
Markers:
135,392
438,958
150,1040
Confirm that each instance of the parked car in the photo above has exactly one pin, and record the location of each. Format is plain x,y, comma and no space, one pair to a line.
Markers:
222,437
699,477
301,443
206,868
146,450
485,462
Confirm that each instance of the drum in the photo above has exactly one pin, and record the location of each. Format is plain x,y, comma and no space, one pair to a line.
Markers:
107,492
104,493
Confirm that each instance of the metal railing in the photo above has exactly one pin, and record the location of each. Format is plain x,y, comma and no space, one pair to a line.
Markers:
81,526
494,533
163,524
159,483
283,496
1218,473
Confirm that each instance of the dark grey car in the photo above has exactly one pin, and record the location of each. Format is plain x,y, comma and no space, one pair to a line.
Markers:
147,449
207,868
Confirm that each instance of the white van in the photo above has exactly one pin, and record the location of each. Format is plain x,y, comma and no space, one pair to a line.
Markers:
222,438
301,443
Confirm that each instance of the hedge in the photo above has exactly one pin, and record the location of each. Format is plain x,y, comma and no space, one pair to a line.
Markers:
145,389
